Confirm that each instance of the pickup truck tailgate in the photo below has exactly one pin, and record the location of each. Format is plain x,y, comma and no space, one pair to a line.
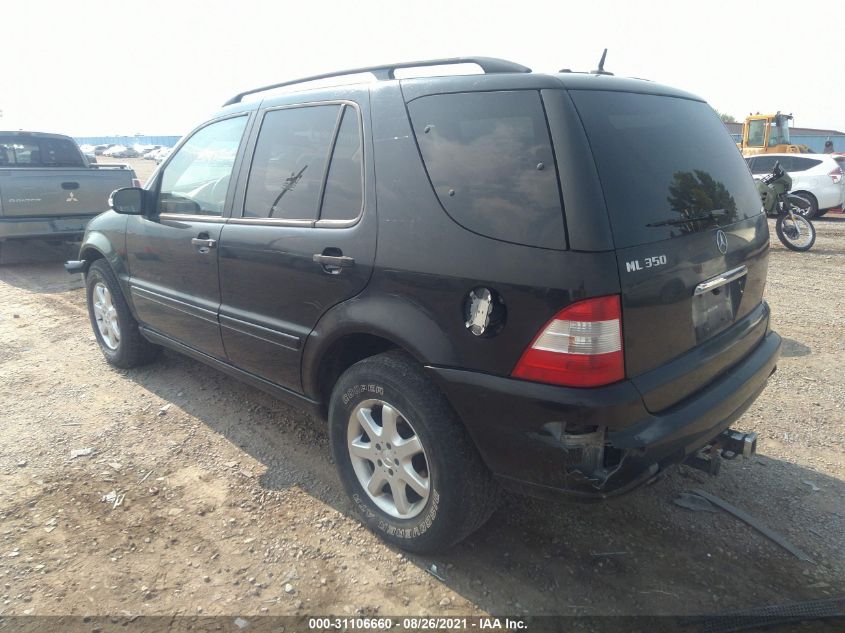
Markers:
57,192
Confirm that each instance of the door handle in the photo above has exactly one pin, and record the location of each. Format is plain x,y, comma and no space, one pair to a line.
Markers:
203,245
333,263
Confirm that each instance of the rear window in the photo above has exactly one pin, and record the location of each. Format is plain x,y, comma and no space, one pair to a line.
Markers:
667,165
23,151
490,160
798,163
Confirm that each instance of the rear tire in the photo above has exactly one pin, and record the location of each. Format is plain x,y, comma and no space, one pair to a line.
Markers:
114,326
799,236
422,503
814,203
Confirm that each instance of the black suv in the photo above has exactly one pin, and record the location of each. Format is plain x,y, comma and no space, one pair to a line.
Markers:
552,282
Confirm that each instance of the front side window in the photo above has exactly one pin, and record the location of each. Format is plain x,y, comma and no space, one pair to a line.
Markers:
489,157
764,164
787,163
196,179
289,162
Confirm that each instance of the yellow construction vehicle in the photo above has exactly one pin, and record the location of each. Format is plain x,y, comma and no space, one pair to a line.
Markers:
768,134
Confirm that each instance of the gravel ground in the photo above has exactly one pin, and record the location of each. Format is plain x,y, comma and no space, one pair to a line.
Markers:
174,489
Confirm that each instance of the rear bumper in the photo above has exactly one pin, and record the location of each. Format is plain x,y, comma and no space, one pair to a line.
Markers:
44,227
512,423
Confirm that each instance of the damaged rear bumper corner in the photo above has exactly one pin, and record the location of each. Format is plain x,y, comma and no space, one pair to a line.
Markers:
510,422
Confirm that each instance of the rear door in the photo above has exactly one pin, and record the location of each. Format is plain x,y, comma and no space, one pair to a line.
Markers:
691,240
305,239
173,252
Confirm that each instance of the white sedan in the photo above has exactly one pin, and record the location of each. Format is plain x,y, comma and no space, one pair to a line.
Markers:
817,177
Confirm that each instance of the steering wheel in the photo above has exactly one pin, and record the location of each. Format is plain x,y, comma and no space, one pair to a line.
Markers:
217,193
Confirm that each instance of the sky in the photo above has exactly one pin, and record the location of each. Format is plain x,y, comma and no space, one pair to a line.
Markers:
155,67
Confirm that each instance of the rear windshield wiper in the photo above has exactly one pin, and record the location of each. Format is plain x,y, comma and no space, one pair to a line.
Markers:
706,215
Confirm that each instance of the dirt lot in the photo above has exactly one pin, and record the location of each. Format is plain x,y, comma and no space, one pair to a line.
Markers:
221,500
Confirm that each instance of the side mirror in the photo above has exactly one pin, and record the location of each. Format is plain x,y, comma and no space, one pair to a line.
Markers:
129,201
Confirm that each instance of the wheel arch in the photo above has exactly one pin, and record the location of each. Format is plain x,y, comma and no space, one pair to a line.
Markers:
363,327
97,245
89,254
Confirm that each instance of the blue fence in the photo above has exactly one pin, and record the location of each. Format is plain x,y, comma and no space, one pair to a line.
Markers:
815,143
128,141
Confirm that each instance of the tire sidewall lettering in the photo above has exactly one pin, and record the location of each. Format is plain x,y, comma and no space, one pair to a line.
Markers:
351,393
402,531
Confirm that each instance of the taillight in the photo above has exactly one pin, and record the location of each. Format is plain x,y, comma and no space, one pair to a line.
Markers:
580,347
836,175
136,182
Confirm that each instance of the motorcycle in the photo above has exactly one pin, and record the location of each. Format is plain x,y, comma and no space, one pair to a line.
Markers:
794,230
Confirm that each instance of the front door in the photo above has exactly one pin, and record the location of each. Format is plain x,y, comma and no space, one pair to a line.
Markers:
302,236
173,251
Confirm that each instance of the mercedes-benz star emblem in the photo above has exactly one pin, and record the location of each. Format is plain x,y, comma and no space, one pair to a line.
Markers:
722,241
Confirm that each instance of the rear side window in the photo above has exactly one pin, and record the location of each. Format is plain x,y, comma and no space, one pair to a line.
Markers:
667,165
803,164
343,197
490,161
289,163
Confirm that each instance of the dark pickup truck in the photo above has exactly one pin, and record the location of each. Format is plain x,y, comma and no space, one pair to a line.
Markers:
48,189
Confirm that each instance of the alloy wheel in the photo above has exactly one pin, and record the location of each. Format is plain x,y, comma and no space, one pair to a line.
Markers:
105,315
388,459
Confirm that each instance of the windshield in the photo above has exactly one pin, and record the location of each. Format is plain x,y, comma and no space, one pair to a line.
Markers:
667,165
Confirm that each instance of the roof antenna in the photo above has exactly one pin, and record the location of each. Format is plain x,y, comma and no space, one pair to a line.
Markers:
600,70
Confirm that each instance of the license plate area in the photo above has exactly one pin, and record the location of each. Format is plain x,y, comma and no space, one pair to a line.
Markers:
716,309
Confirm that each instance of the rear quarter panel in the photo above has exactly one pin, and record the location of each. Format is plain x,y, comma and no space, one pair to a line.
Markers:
827,193
428,263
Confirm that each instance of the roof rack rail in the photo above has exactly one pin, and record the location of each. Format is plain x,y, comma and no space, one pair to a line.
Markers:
387,71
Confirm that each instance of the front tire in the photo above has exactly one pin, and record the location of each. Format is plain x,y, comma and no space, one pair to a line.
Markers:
115,329
796,234
413,474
